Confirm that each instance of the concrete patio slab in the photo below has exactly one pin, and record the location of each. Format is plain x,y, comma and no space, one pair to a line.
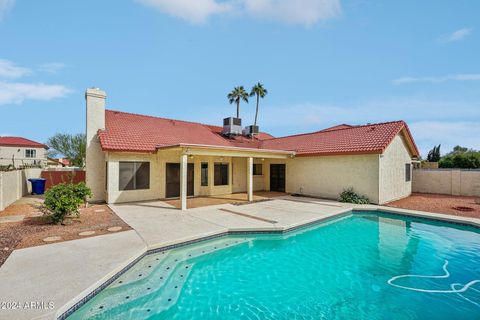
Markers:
58,273
159,224
290,214
230,220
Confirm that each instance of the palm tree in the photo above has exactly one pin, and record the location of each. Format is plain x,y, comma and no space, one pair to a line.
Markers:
237,94
259,91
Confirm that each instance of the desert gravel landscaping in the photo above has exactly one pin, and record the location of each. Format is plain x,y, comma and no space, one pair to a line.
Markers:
35,231
439,203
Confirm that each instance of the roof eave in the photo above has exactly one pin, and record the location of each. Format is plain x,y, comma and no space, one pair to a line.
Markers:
339,153
230,148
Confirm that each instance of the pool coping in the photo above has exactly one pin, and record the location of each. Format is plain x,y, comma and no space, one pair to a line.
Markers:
76,303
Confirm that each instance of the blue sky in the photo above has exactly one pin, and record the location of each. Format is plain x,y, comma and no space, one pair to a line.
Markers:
324,62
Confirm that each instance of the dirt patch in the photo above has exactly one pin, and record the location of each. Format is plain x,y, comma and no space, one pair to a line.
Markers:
438,203
18,209
31,231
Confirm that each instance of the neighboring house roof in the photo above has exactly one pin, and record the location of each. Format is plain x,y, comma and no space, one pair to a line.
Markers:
20,142
64,161
61,161
139,133
344,139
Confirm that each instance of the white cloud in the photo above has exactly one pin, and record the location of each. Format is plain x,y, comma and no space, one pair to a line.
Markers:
8,69
195,11
52,67
454,77
5,7
16,92
457,35
305,12
448,134
446,123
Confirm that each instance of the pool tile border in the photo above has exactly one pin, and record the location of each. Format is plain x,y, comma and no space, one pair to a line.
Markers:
394,211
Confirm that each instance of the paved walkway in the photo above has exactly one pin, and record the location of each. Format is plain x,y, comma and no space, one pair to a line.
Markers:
61,272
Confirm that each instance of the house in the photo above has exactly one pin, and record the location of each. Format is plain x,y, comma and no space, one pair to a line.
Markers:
58,162
19,151
132,157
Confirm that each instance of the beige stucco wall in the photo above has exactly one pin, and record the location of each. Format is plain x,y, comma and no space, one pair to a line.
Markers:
114,195
18,153
447,181
95,157
157,176
392,183
240,175
328,176
379,177
14,185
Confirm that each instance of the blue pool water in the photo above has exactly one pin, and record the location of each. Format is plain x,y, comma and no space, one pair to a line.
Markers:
350,268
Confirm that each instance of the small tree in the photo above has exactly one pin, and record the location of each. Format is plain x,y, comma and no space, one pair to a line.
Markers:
434,154
72,146
64,200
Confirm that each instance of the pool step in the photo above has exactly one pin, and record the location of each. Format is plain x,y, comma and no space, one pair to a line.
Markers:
157,276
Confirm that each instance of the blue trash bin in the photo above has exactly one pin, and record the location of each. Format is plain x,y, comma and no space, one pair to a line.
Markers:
38,185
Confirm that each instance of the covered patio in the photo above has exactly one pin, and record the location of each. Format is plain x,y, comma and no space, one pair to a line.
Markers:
234,198
204,154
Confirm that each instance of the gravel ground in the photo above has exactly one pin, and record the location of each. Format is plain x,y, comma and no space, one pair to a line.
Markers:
31,231
439,204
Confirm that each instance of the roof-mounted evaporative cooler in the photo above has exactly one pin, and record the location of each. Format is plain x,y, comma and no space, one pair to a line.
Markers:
250,130
232,126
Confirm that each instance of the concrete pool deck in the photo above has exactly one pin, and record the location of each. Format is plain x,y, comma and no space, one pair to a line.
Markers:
64,273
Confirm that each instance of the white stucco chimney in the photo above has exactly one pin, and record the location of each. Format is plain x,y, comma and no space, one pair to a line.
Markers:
95,157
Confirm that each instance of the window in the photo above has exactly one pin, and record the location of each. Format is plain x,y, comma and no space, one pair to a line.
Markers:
204,171
221,174
134,175
408,172
30,153
257,169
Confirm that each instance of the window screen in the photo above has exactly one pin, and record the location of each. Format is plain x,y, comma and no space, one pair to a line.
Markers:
221,174
408,172
30,153
204,170
134,175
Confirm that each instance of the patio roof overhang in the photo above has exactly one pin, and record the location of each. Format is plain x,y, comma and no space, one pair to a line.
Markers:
228,151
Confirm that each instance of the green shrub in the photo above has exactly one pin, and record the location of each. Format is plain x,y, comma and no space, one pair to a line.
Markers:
64,200
467,160
349,196
82,191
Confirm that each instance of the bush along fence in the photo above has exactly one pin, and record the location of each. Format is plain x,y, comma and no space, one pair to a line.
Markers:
455,182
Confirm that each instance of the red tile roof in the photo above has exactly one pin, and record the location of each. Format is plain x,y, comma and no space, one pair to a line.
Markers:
344,139
140,133
20,142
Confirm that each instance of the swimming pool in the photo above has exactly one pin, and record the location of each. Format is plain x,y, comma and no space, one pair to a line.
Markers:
366,265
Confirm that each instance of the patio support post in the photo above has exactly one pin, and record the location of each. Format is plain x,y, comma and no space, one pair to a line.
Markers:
250,178
183,181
